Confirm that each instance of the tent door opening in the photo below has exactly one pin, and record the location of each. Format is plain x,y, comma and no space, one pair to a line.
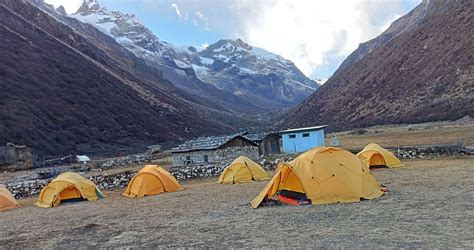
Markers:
377,161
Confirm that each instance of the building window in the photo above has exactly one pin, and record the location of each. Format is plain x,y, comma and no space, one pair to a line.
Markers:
206,158
188,161
293,136
305,135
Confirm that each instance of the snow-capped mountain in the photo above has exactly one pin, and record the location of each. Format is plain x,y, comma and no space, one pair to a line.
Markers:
264,78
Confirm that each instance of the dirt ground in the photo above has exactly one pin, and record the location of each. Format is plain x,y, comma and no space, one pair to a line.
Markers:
430,204
436,133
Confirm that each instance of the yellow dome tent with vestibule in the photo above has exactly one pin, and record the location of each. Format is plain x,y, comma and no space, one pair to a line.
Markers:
323,175
243,170
68,187
151,180
7,200
376,156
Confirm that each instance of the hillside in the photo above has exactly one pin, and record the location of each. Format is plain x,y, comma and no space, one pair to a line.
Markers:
65,92
419,70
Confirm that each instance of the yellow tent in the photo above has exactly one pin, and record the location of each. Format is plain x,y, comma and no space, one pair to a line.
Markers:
375,156
243,170
151,180
7,201
323,175
68,186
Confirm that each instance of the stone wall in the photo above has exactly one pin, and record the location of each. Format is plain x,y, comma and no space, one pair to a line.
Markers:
195,158
217,157
123,161
430,151
15,157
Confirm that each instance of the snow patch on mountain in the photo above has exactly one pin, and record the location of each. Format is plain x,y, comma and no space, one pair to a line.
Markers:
231,65
207,61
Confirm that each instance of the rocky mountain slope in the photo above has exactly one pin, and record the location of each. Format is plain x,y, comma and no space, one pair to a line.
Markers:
68,88
248,78
421,69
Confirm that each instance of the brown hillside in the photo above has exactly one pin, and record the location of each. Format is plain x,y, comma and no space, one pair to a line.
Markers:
423,73
61,94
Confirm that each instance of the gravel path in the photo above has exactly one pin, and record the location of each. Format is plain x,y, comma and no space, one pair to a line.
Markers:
430,204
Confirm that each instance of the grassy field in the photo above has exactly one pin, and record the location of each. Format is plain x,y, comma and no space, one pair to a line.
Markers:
408,135
430,204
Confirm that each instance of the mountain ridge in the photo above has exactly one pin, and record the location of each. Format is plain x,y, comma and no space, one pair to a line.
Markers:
62,94
422,73
258,77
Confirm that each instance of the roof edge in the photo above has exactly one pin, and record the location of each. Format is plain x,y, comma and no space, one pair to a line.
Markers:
302,129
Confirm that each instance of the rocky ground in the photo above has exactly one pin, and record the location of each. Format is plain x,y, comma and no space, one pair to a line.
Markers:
32,183
430,204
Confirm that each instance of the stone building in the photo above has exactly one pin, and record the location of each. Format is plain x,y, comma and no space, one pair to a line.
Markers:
214,150
268,143
15,157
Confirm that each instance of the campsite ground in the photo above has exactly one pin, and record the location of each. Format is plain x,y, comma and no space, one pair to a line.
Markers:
423,134
430,204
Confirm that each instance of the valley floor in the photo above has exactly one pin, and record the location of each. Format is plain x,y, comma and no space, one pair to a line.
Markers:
430,204
423,134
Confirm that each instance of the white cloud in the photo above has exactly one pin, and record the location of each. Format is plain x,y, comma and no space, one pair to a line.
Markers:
176,9
71,6
314,34
200,15
308,31
203,19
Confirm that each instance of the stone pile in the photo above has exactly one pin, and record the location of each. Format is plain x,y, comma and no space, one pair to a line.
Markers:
197,172
125,161
107,182
428,152
267,164
26,188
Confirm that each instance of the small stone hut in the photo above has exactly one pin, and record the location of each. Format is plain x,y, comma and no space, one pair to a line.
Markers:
214,150
15,157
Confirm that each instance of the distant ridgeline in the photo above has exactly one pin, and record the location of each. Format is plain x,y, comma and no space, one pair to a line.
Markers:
419,70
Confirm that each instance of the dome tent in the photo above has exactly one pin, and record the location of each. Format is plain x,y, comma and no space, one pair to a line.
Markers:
323,175
68,186
242,170
151,180
7,200
376,156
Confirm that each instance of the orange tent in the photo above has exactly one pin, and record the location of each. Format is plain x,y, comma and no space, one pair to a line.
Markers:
151,180
243,170
7,201
68,186
376,156
323,175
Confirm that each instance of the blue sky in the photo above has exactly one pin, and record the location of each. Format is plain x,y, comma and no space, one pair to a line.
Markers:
315,34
